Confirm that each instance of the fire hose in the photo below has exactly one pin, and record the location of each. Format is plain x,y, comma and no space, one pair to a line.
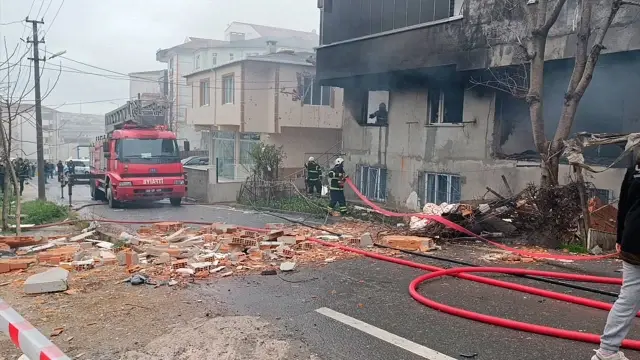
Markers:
463,273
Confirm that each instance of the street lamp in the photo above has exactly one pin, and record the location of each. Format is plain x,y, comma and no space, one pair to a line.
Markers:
59,53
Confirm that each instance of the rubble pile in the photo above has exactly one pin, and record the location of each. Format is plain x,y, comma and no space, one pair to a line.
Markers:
538,216
169,253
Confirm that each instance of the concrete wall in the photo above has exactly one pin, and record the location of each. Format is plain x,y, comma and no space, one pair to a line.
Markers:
296,114
300,143
409,147
266,109
203,187
259,89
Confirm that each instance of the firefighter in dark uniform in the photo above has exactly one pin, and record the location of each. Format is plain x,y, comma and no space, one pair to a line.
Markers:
314,172
336,178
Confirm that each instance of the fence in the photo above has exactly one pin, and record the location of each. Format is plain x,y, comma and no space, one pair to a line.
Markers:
264,193
26,337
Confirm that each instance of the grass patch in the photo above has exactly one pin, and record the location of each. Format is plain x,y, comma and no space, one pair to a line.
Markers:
42,212
299,204
575,248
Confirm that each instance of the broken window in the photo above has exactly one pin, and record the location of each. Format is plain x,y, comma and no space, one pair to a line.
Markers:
444,105
313,93
441,188
372,182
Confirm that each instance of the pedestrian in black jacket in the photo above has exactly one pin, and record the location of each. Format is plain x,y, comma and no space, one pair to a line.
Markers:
628,245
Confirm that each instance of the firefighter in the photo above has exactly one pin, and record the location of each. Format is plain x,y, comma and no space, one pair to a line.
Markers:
337,177
314,172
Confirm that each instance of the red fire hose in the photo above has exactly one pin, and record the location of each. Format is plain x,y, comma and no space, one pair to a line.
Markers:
462,273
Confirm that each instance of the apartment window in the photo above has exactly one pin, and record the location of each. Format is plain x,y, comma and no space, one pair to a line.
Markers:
197,65
372,182
441,188
445,105
231,57
314,94
205,91
228,89
214,59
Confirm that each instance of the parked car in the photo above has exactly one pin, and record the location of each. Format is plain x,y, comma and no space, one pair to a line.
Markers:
195,160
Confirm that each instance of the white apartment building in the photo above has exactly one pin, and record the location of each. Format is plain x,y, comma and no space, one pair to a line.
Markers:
242,40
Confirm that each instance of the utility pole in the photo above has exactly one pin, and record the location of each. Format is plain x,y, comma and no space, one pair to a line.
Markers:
36,73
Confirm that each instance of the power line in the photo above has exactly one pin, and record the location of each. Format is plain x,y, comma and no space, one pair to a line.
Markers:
12,22
54,17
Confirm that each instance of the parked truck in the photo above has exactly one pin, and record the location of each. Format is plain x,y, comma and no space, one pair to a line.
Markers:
138,159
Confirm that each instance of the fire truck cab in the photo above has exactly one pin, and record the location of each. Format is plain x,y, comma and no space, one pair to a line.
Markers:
138,159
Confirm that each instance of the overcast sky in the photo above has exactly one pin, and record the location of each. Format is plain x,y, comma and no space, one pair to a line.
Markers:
123,36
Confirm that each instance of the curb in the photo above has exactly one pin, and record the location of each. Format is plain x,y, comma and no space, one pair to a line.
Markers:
27,338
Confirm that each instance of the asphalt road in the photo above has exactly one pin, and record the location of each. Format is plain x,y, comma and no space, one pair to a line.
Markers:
375,293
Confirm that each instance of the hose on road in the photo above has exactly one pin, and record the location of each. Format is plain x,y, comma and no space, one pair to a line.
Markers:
511,324
462,273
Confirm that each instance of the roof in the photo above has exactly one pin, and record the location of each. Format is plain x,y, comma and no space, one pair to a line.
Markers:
261,42
150,72
191,43
264,30
291,58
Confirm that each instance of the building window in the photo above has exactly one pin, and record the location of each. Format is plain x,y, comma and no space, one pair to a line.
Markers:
604,195
372,182
441,188
228,89
205,91
231,57
444,105
197,65
214,59
315,94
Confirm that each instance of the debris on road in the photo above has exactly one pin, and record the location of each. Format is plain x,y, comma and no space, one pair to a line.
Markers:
52,280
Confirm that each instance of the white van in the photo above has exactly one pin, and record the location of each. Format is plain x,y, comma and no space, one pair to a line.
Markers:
81,165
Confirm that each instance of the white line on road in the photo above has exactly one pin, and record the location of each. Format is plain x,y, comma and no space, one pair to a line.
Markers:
398,341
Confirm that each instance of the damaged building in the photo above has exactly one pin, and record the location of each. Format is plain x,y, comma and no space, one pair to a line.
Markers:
423,114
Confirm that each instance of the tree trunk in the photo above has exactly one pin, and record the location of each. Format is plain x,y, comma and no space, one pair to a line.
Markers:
6,200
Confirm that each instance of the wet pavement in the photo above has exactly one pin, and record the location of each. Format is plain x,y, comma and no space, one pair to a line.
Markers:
361,309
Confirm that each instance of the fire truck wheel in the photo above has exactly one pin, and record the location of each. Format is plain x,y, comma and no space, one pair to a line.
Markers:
175,201
113,203
96,194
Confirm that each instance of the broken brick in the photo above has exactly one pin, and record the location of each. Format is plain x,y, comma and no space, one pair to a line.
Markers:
179,264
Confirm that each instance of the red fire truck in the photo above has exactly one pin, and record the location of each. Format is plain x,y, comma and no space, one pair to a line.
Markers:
138,159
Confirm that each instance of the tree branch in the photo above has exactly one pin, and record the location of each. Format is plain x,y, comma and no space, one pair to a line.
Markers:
553,17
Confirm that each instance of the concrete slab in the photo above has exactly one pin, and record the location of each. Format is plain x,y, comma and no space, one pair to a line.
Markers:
52,280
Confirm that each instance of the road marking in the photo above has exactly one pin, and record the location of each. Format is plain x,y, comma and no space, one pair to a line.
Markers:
396,340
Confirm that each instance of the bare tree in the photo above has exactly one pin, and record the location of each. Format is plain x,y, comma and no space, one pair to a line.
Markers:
16,90
528,81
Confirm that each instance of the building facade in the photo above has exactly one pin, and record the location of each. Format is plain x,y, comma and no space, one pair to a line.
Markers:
272,99
149,85
241,41
447,132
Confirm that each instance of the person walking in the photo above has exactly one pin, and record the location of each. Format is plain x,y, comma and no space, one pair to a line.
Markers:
626,307
336,178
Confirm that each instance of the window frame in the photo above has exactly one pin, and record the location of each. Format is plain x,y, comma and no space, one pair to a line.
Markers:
363,176
228,93
196,64
214,59
231,56
308,86
205,92
451,198
445,112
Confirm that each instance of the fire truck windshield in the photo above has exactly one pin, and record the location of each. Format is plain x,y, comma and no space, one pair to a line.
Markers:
148,150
